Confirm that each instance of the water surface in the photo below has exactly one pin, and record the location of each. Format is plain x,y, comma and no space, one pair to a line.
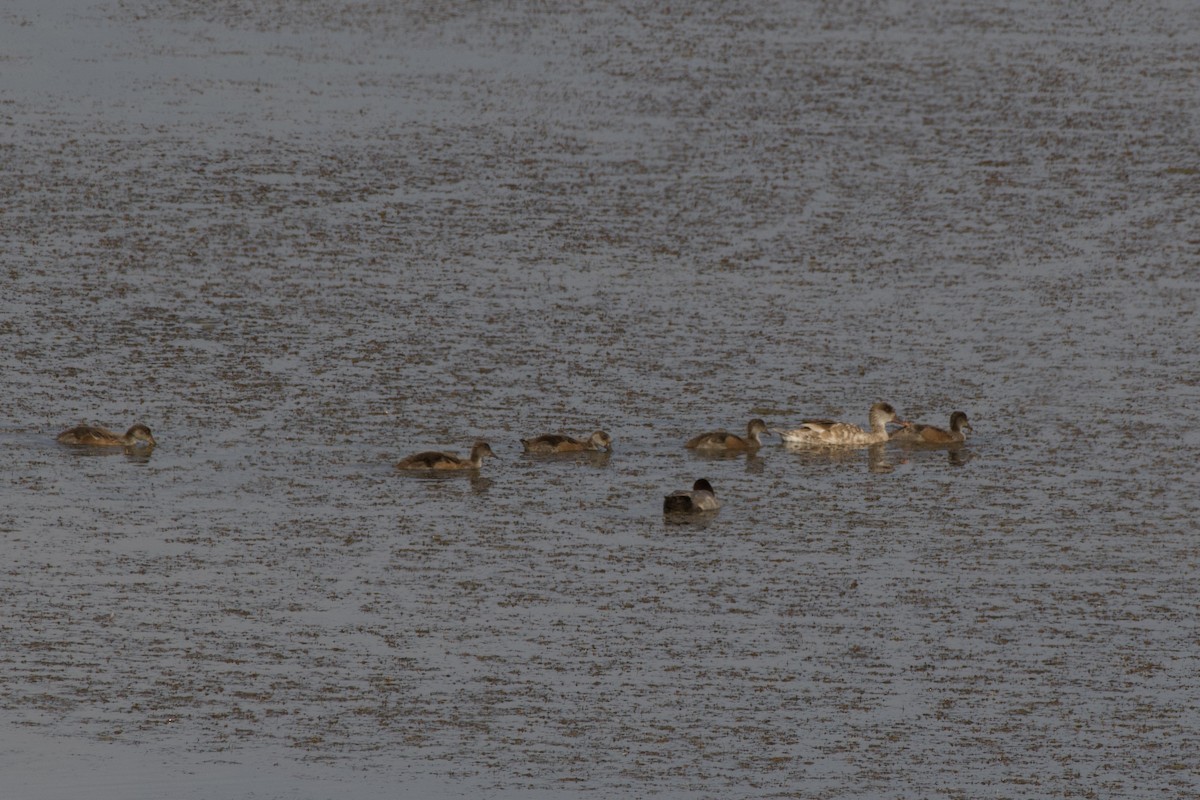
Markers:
302,243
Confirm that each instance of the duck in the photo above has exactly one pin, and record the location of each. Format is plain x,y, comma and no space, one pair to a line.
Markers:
700,498
827,433
434,460
95,436
913,433
558,443
724,440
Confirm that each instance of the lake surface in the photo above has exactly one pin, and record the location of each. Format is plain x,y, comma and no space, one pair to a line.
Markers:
300,241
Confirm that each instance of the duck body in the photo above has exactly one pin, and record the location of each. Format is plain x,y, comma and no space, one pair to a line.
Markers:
94,436
913,433
828,433
436,460
700,498
549,443
724,440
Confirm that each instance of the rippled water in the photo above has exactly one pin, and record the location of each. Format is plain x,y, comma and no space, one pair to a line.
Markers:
302,242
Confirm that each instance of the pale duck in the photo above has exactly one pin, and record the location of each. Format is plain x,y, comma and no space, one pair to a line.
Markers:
827,433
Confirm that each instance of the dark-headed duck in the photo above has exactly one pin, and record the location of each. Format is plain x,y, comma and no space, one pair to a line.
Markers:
700,498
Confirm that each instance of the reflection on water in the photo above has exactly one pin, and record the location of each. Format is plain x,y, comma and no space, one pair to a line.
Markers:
592,458
699,520
957,454
754,460
876,457
548,233
135,454
479,482
722,455
598,459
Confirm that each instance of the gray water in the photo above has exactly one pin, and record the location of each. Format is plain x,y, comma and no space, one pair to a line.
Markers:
301,241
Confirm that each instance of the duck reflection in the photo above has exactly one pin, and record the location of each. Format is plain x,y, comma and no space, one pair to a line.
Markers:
479,483
754,461
595,458
877,459
698,521
592,458
876,456
957,455
134,455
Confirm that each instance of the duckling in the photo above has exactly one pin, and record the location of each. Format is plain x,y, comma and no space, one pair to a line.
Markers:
433,460
700,498
825,432
102,437
724,440
913,433
558,443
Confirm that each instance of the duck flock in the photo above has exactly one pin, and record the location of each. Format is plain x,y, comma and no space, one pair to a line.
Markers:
700,499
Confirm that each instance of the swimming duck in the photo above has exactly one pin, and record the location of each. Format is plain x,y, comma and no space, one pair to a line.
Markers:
724,440
825,433
102,437
913,433
557,443
431,459
700,498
